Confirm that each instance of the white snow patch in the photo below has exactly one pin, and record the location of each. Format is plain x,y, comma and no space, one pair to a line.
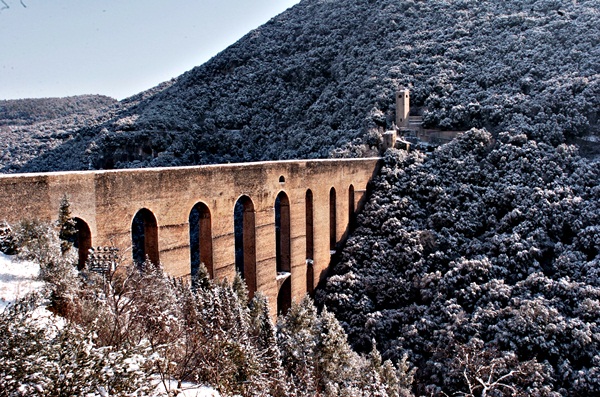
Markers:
17,279
188,390
201,391
591,138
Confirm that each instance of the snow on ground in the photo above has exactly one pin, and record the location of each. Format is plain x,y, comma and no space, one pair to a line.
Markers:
199,392
16,279
19,278
188,390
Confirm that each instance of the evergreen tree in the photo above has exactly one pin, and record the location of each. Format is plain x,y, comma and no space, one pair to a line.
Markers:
39,358
336,361
383,378
319,360
38,241
240,288
298,341
7,239
371,376
66,225
206,334
201,278
263,334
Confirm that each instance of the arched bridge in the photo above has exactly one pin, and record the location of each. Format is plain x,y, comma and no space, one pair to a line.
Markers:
277,222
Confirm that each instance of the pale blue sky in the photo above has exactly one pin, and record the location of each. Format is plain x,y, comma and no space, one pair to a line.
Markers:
117,48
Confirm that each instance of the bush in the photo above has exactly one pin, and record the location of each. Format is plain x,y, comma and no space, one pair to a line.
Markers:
7,239
40,358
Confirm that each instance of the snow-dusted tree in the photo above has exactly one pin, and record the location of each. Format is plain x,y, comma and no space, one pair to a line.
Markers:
66,225
297,341
239,286
319,360
232,321
380,378
39,358
201,278
475,370
336,364
35,240
7,239
263,336
38,241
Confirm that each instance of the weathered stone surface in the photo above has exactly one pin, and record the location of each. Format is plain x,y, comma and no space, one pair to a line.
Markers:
108,201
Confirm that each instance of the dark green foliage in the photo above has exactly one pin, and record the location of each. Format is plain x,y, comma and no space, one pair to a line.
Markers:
487,246
7,239
30,111
31,127
66,225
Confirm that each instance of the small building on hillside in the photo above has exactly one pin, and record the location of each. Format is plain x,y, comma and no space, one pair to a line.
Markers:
409,132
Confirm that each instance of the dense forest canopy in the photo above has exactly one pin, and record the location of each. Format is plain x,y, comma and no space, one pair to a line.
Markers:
484,253
317,79
30,111
29,127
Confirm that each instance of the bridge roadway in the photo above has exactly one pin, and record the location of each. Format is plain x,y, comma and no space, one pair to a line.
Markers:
291,216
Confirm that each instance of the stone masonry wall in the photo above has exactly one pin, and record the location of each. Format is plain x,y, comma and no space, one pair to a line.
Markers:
108,200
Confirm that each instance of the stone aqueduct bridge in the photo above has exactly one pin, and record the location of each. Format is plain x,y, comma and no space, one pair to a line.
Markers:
290,216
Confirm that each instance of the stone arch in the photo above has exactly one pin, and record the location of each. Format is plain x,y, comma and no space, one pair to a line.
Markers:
284,297
144,237
332,220
282,233
310,247
201,238
351,207
245,242
83,241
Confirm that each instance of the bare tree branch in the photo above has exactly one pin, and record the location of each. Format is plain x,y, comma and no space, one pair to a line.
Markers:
5,5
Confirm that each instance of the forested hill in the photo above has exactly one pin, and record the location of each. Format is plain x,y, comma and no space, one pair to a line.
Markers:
319,79
30,111
478,262
29,127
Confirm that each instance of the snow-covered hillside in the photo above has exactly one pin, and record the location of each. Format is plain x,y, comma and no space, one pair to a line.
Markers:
319,78
481,260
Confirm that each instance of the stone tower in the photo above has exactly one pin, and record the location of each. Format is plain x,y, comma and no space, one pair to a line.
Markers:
402,108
